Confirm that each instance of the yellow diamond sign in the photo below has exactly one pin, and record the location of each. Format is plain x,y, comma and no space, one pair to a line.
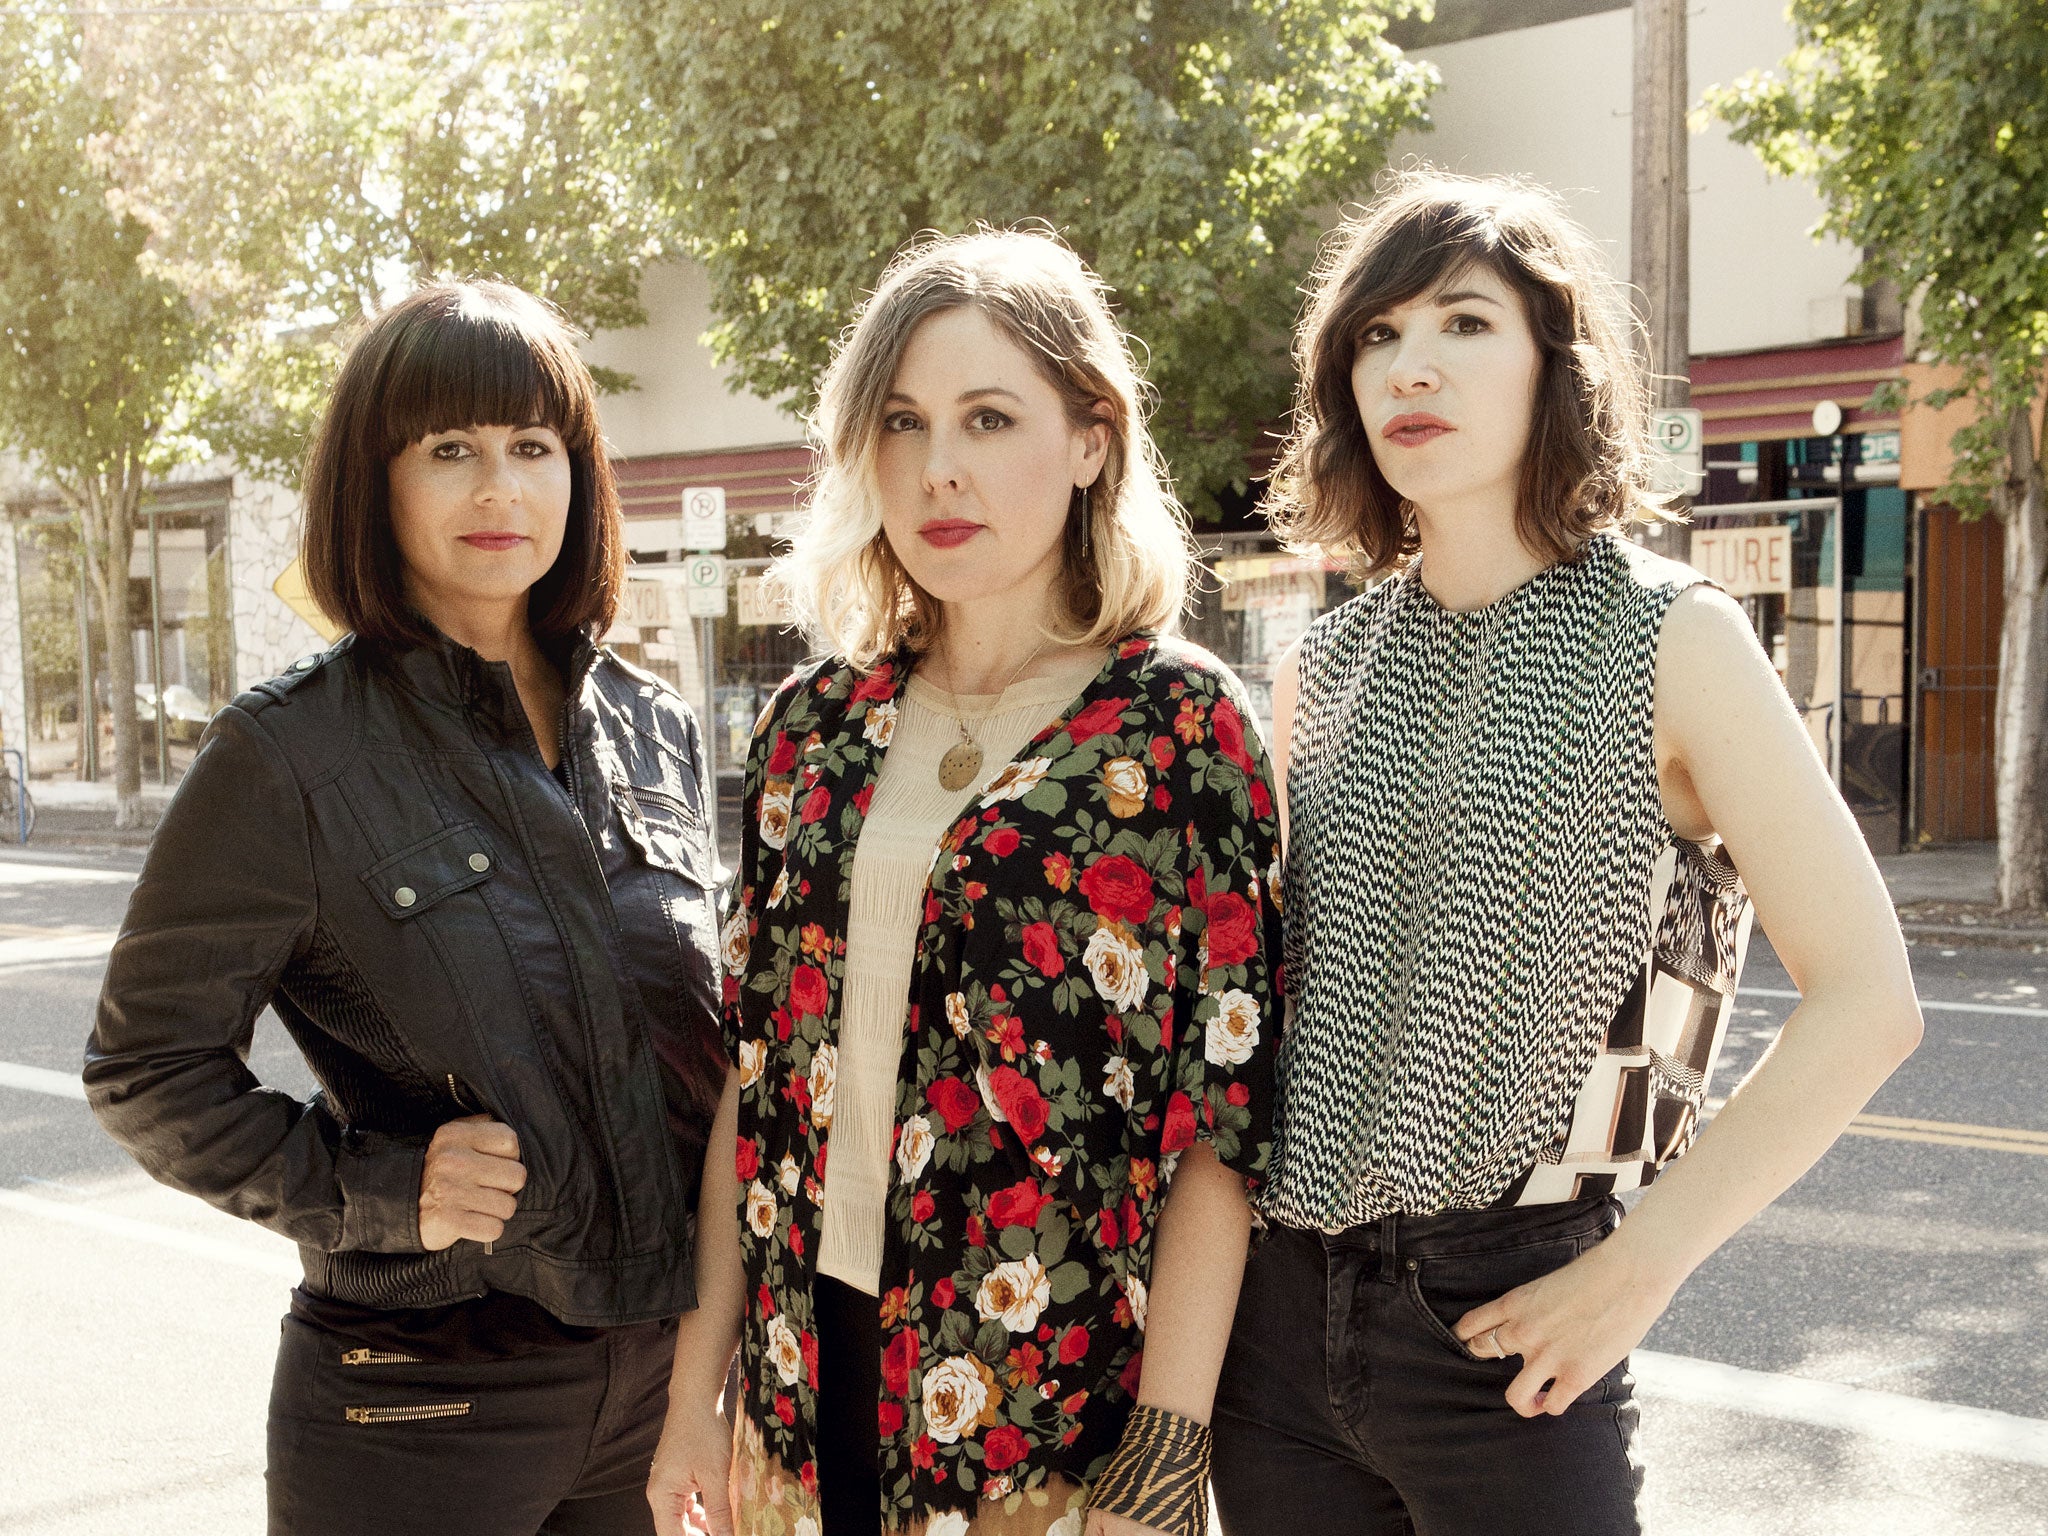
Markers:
291,586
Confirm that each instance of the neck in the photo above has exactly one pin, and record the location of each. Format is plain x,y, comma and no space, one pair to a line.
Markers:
1472,554
984,647
495,631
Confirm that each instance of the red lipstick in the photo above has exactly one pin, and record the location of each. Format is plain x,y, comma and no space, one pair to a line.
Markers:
948,532
1411,429
492,540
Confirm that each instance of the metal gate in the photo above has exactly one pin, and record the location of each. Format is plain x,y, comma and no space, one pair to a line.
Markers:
1960,579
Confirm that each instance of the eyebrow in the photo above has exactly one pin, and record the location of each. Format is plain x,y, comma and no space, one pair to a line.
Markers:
1464,296
965,395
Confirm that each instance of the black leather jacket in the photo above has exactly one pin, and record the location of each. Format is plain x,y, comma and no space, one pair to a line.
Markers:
374,846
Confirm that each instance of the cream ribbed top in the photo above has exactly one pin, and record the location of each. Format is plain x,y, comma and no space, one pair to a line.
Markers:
908,815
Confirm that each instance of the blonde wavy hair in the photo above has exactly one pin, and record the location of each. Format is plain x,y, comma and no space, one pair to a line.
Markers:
849,592
1587,466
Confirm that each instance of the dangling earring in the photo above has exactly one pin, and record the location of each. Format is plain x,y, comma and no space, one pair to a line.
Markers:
1085,523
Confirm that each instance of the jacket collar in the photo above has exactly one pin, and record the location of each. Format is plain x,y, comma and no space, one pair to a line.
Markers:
449,675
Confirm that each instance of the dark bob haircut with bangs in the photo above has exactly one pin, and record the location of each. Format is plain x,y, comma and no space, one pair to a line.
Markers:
450,356
1586,469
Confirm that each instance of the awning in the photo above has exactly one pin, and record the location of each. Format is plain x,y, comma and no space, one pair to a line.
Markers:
1746,397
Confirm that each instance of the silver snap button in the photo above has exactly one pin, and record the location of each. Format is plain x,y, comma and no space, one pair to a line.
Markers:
479,862
405,895
305,663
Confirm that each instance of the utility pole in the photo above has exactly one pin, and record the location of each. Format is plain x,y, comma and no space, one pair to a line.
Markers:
1660,227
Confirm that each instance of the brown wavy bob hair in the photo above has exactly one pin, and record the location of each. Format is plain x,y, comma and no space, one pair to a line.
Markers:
1587,466
455,355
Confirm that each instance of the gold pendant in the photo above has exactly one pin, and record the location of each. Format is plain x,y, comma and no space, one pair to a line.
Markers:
959,766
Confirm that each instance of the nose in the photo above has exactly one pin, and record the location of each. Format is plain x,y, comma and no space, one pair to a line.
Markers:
941,464
498,479
1413,369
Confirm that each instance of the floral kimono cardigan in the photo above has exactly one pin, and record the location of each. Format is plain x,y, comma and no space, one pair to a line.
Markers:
1094,992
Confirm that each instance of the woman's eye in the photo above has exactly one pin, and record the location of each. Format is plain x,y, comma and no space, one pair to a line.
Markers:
988,421
1375,334
533,448
449,452
901,421
1468,325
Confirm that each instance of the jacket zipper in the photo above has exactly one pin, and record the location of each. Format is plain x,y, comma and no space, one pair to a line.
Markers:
407,1415
376,1357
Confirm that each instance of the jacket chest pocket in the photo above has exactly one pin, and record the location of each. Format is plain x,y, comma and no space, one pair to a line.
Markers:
413,881
675,845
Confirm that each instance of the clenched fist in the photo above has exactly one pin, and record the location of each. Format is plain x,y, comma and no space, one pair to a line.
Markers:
471,1184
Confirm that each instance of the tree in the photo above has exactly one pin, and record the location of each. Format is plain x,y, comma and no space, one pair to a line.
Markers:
101,358
296,170
1188,152
1924,124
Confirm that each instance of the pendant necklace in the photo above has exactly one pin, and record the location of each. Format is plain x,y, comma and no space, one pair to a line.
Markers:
957,769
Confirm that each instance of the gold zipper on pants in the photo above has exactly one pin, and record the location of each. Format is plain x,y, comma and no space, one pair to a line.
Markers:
407,1415
376,1357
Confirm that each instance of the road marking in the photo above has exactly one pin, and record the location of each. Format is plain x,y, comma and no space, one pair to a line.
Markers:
54,947
65,1085
275,1262
1915,1421
23,872
1940,1133
1926,1004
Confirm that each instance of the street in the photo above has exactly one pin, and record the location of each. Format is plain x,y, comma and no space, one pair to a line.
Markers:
1866,1357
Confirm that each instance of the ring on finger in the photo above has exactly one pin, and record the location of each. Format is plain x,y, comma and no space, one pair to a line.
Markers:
1500,1350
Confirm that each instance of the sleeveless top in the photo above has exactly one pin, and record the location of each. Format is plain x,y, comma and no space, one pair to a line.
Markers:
1509,977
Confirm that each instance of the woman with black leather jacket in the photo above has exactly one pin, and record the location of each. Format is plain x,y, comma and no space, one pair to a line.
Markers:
463,855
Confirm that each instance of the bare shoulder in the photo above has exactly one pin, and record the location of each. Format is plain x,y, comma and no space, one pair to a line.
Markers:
1708,653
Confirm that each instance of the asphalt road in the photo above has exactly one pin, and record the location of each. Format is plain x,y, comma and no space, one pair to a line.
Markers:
1866,1357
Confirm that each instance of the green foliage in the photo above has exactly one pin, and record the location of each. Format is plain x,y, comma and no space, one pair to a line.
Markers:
98,355
1924,124
1189,152
296,171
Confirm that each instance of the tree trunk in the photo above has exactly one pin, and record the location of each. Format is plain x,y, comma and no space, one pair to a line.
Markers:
107,515
2022,737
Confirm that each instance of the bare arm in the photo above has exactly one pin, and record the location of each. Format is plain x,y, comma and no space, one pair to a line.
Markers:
695,1454
1733,744
1197,1266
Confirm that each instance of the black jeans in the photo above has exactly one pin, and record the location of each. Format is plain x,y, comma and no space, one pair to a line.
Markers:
555,1443
1348,1406
849,1324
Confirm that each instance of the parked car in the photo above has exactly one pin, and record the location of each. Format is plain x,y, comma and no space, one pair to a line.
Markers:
185,713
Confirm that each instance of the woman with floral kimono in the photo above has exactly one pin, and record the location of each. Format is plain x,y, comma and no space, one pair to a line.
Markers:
1004,946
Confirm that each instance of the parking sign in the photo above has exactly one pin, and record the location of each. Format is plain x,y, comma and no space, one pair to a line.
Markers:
704,517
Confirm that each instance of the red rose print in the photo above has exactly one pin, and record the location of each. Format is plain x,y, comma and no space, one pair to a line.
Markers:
878,684
1162,798
1112,1235
807,991
1229,727
976,1238
1133,1369
747,1162
807,1346
1162,752
1238,1094
957,1102
943,1292
922,1205
1134,1226
1262,799
785,1410
1073,1344
783,758
767,1300
1102,716
1118,889
1180,1124
1017,1206
1042,949
1233,929
1059,871
1002,842
1020,1101
1075,1404
923,1452
899,1359
863,797
816,804
890,1420
1003,1447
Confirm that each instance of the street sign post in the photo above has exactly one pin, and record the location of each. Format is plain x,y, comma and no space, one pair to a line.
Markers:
704,517
704,586
1678,468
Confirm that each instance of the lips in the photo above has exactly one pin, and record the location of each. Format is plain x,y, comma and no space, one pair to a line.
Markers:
1412,429
948,532
493,541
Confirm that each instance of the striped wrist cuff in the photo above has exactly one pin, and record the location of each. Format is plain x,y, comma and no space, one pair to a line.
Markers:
1159,1475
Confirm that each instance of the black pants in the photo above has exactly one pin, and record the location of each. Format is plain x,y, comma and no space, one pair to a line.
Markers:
556,1443
849,1324
1348,1406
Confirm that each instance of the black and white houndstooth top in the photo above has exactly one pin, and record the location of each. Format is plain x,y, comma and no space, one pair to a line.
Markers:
1509,979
